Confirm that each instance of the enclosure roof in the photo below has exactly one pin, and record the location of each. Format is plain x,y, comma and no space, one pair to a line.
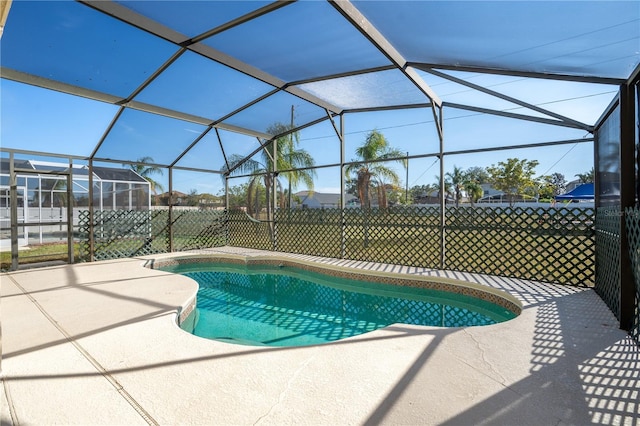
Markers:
22,164
112,173
162,77
102,173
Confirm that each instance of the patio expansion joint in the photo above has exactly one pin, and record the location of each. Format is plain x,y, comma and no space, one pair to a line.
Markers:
103,371
284,391
7,394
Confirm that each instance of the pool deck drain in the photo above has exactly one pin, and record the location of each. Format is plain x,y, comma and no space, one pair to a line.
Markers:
97,344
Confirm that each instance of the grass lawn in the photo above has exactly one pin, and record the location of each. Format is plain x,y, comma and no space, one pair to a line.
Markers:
39,253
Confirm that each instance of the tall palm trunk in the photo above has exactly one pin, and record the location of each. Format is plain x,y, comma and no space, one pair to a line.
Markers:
269,186
382,195
364,179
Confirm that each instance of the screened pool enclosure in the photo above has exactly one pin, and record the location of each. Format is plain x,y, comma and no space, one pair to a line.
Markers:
42,197
253,105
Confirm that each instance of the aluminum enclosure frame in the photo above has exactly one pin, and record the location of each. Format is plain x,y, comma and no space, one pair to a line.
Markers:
398,61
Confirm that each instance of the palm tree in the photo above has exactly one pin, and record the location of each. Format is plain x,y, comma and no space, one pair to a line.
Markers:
456,180
289,157
370,170
375,148
586,177
474,191
143,167
447,189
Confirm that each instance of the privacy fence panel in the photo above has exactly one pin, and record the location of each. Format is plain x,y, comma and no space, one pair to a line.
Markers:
399,235
126,233
197,229
632,218
608,256
547,244
316,232
123,233
555,245
244,231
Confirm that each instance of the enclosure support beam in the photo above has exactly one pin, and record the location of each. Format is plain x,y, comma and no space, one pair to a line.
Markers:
69,213
343,225
627,199
226,193
91,214
513,73
170,230
194,143
515,116
437,114
13,200
340,134
442,192
499,95
274,188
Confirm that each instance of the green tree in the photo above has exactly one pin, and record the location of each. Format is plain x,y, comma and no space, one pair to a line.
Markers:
513,177
287,156
206,200
474,177
448,188
456,180
397,195
474,190
351,186
586,177
477,174
370,172
192,198
552,185
290,156
237,196
143,167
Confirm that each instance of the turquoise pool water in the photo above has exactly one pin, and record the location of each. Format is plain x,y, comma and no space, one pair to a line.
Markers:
286,306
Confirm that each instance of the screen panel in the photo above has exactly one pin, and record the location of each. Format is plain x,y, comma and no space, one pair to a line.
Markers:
608,166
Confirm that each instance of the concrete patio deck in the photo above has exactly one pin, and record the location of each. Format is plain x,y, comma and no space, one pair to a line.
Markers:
98,344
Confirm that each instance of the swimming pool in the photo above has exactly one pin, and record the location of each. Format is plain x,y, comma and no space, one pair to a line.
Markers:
281,304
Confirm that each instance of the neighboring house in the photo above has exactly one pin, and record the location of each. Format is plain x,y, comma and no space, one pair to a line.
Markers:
489,191
570,186
432,197
319,200
179,198
492,195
